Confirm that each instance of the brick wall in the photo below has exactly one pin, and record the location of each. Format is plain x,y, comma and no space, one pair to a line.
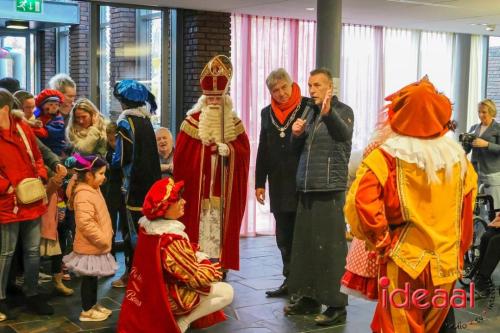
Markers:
79,45
206,34
47,40
123,57
493,86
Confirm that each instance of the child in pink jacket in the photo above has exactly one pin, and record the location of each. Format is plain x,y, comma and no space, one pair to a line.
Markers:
91,257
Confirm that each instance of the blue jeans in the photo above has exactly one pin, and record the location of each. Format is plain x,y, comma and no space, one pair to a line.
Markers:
29,231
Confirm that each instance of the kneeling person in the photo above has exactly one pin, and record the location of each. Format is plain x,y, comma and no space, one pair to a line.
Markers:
171,285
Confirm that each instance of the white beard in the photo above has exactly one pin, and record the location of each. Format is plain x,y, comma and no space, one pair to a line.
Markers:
209,126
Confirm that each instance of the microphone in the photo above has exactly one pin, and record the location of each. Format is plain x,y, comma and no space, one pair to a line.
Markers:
305,113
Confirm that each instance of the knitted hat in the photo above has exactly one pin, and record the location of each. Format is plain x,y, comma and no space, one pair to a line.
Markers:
48,95
160,196
134,91
418,110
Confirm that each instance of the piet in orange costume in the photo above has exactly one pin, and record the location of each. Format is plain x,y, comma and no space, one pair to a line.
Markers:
200,150
170,285
412,202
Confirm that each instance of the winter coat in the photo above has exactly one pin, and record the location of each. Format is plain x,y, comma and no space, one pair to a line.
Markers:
15,166
326,148
52,133
88,141
93,223
277,161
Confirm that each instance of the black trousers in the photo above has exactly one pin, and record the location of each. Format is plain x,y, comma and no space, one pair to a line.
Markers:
127,241
490,251
118,214
285,224
89,292
56,263
66,232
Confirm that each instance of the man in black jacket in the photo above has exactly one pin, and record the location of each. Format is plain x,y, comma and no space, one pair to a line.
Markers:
319,244
277,162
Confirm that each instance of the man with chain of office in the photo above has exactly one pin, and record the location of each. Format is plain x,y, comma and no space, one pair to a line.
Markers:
277,161
212,142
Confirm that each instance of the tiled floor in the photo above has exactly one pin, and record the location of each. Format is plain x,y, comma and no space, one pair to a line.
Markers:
251,311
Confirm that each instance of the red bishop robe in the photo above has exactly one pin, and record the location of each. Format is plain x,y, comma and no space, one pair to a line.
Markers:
192,163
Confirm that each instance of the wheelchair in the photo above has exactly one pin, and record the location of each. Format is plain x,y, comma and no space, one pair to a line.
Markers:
484,213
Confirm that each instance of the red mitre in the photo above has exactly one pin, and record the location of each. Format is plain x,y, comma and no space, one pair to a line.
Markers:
216,75
160,196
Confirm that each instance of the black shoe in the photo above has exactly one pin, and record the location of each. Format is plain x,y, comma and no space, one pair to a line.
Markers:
483,287
331,316
39,305
303,306
6,309
281,291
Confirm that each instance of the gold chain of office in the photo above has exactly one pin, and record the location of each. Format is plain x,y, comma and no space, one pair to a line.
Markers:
282,129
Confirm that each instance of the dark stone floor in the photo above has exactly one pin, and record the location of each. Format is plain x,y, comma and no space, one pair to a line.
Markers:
251,311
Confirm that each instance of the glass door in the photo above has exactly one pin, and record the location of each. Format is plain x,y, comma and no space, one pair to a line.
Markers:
16,58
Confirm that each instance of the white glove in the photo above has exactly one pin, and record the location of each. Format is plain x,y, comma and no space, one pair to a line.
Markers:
223,149
200,256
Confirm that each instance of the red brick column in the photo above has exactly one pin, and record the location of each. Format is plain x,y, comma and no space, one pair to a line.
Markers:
206,34
79,46
47,49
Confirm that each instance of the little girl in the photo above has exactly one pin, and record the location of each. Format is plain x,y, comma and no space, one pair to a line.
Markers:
91,257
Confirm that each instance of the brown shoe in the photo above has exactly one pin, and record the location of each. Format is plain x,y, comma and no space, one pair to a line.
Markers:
60,287
121,282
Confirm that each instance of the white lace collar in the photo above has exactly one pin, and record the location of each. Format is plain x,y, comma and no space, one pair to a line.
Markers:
161,226
141,111
430,155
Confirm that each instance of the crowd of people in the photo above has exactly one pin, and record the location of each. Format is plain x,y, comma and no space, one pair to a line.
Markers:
70,179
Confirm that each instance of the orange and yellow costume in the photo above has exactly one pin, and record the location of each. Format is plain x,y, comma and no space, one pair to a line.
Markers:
412,202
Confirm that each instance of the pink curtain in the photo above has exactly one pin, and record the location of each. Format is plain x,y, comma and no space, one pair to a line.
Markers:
258,46
368,73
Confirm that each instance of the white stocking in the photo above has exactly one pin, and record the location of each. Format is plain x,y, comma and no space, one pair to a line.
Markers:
220,296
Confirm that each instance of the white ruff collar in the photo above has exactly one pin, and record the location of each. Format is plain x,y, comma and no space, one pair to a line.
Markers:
161,226
141,111
430,155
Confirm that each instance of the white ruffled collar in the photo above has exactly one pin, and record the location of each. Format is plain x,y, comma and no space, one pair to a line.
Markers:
161,226
430,155
141,111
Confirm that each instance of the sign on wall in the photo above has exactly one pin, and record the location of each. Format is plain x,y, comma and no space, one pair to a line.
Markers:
29,6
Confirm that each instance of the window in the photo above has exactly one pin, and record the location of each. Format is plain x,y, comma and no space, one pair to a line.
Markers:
493,75
130,48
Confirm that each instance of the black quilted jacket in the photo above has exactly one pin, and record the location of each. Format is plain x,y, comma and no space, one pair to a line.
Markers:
326,148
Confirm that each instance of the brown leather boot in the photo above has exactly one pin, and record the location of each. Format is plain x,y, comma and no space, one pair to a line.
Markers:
59,285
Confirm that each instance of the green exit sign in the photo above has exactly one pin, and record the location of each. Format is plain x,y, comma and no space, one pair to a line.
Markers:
29,6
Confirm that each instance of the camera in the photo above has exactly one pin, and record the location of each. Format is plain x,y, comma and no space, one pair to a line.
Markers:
466,140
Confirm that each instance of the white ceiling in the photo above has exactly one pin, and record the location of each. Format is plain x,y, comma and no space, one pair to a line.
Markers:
437,15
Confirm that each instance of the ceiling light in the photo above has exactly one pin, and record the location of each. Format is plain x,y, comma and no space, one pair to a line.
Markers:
490,27
310,8
19,25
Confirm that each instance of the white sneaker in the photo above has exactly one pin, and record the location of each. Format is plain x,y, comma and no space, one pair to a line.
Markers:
2,317
100,308
92,315
42,277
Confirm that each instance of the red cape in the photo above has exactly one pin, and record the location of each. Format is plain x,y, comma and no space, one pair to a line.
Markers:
192,164
145,307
